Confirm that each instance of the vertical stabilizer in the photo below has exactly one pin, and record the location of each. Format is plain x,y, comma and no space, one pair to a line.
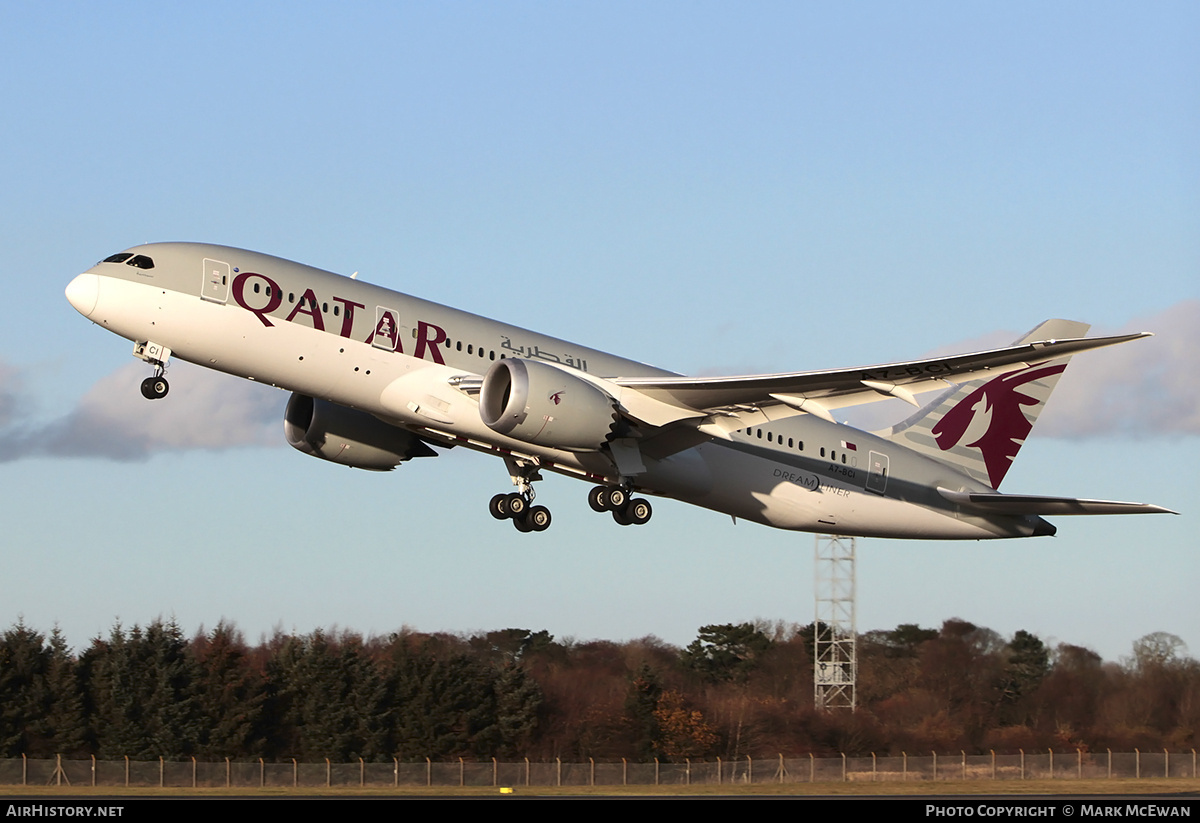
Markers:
980,426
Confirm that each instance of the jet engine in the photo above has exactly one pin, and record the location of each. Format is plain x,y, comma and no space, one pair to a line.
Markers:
547,406
348,436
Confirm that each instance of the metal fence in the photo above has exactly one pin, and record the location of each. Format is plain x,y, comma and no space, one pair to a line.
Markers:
744,771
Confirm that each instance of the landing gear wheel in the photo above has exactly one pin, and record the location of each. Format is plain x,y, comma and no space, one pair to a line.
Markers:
154,388
517,505
523,525
622,517
538,518
638,511
617,498
598,499
498,506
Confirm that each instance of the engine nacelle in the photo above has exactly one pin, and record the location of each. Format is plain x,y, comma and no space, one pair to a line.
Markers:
348,436
546,406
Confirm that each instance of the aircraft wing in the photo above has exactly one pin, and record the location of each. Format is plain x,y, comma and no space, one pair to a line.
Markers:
816,392
1016,504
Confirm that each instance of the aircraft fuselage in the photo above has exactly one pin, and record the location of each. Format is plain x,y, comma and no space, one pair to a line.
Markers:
403,360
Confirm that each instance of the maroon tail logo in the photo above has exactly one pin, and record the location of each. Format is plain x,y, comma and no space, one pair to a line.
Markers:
993,415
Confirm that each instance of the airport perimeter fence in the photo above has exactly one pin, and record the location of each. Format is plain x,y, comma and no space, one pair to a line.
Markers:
1077,765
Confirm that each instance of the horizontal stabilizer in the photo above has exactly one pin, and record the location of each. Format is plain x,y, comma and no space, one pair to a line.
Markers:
1018,504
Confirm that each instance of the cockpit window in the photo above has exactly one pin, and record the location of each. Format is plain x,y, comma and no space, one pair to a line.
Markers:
119,258
141,261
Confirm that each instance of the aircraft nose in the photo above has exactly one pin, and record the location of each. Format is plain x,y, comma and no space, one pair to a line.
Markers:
83,292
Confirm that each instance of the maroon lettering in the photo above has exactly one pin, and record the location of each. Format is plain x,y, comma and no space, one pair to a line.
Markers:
308,305
432,342
348,307
274,296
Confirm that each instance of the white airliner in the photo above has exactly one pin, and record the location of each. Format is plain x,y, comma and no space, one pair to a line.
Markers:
378,377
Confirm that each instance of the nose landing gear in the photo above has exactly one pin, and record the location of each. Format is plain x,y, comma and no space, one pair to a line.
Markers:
155,387
157,355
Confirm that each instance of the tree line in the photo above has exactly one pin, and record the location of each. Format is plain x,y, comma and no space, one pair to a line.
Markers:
736,690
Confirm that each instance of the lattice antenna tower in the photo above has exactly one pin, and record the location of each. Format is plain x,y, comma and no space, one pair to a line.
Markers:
835,651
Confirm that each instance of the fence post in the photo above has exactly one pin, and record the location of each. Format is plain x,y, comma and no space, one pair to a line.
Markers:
964,762
687,771
1166,763
656,771
228,773
1051,763
591,771
328,773
781,766
719,770
94,770
495,772
262,773
904,771
935,765
193,772
161,769
1137,760
558,771
462,773
25,771
1022,751
1110,764
1079,764
396,771
812,768
993,751
362,773
428,772
874,767
624,772
843,767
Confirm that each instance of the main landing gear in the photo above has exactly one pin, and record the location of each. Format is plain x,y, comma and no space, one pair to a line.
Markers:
157,356
626,510
518,506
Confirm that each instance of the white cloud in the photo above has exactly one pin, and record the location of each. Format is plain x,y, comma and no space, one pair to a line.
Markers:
1146,388
204,410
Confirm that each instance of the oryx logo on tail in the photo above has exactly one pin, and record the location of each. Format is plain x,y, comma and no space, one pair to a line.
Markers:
992,420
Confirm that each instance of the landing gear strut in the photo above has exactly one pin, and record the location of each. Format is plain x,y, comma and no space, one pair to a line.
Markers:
626,510
157,356
518,506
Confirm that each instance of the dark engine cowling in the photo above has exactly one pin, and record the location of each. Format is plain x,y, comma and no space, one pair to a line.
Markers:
348,436
540,404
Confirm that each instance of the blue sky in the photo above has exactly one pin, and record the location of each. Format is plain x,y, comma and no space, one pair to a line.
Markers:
706,187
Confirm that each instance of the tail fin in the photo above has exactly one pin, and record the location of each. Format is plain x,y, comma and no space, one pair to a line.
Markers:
980,426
